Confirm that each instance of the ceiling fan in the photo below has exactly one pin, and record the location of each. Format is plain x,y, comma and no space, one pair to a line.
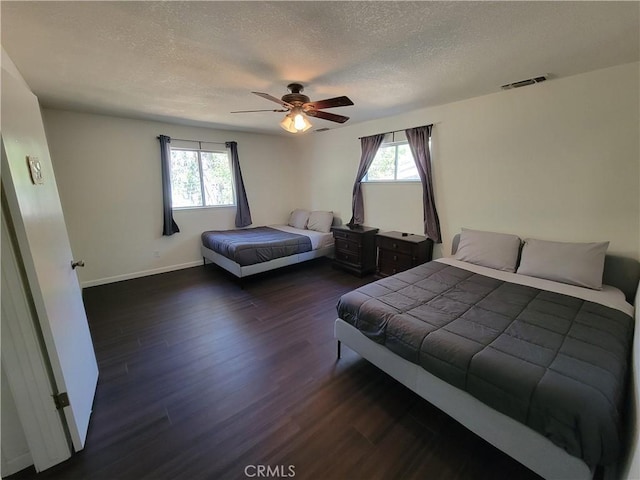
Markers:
299,106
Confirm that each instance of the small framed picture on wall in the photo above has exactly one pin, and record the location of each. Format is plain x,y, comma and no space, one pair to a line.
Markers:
35,170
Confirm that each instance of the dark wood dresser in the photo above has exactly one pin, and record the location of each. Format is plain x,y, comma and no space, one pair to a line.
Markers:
355,249
401,251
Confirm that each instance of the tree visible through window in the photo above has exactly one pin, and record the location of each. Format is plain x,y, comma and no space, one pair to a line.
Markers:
393,163
200,178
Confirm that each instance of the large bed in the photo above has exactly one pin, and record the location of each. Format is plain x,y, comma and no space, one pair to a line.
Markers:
249,251
536,367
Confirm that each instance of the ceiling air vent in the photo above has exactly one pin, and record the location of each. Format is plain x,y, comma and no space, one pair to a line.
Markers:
524,83
324,129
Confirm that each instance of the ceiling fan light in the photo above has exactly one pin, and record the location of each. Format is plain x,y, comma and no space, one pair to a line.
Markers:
295,123
301,123
288,124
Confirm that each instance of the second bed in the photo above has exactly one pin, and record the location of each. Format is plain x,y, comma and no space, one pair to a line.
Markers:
250,251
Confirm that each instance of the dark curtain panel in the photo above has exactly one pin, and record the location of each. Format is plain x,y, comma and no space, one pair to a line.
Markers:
369,146
419,143
170,227
243,214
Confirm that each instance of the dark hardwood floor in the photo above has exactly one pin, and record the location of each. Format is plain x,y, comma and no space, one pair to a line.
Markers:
201,379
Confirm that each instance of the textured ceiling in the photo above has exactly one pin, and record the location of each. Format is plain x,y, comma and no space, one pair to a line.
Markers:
194,62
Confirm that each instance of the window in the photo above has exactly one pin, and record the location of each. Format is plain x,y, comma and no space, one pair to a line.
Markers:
393,163
201,178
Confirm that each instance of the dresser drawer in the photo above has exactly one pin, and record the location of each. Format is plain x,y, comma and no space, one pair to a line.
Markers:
390,263
353,258
347,235
396,257
393,245
347,246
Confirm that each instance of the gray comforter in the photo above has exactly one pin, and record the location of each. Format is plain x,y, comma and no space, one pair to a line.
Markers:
553,362
255,245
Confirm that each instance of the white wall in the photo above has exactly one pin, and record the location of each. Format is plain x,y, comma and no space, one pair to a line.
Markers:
558,160
109,178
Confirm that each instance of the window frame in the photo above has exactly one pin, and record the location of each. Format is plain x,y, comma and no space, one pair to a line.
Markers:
199,152
395,144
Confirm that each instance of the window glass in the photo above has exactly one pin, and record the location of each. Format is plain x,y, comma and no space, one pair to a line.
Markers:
383,166
200,178
217,179
393,163
406,165
185,179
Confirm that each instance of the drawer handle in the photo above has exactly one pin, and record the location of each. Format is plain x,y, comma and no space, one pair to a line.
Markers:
394,270
395,257
395,245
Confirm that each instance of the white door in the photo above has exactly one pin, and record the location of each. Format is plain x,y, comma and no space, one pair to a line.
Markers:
44,246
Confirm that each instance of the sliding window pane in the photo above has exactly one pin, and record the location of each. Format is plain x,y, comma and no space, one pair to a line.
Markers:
218,180
383,166
406,165
185,179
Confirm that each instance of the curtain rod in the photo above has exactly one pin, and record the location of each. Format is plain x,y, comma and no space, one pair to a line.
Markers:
198,141
396,131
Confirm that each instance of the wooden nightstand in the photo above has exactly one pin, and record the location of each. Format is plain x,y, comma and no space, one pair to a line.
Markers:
401,251
355,249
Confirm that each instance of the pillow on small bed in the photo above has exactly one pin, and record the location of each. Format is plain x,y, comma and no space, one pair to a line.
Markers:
489,249
299,219
578,264
320,221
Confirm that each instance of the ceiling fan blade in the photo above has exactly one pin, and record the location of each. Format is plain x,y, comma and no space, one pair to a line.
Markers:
327,116
329,103
273,99
251,111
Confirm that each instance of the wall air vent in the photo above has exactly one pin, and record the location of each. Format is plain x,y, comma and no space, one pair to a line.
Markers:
524,83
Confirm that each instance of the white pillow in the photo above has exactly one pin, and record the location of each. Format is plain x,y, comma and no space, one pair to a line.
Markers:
578,264
489,249
299,219
320,221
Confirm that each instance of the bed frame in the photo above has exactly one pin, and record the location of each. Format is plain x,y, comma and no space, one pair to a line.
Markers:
244,271
520,442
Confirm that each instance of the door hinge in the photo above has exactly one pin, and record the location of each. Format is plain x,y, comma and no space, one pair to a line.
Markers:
61,400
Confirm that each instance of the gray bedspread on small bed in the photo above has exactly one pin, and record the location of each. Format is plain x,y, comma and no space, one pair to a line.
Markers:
553,362
255,245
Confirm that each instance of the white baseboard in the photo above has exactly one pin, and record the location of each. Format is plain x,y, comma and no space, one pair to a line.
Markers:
144,273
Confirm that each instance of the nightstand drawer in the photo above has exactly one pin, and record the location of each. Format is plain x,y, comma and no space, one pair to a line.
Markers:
348,257
347,246
391,263
347,235
397,258
393,245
